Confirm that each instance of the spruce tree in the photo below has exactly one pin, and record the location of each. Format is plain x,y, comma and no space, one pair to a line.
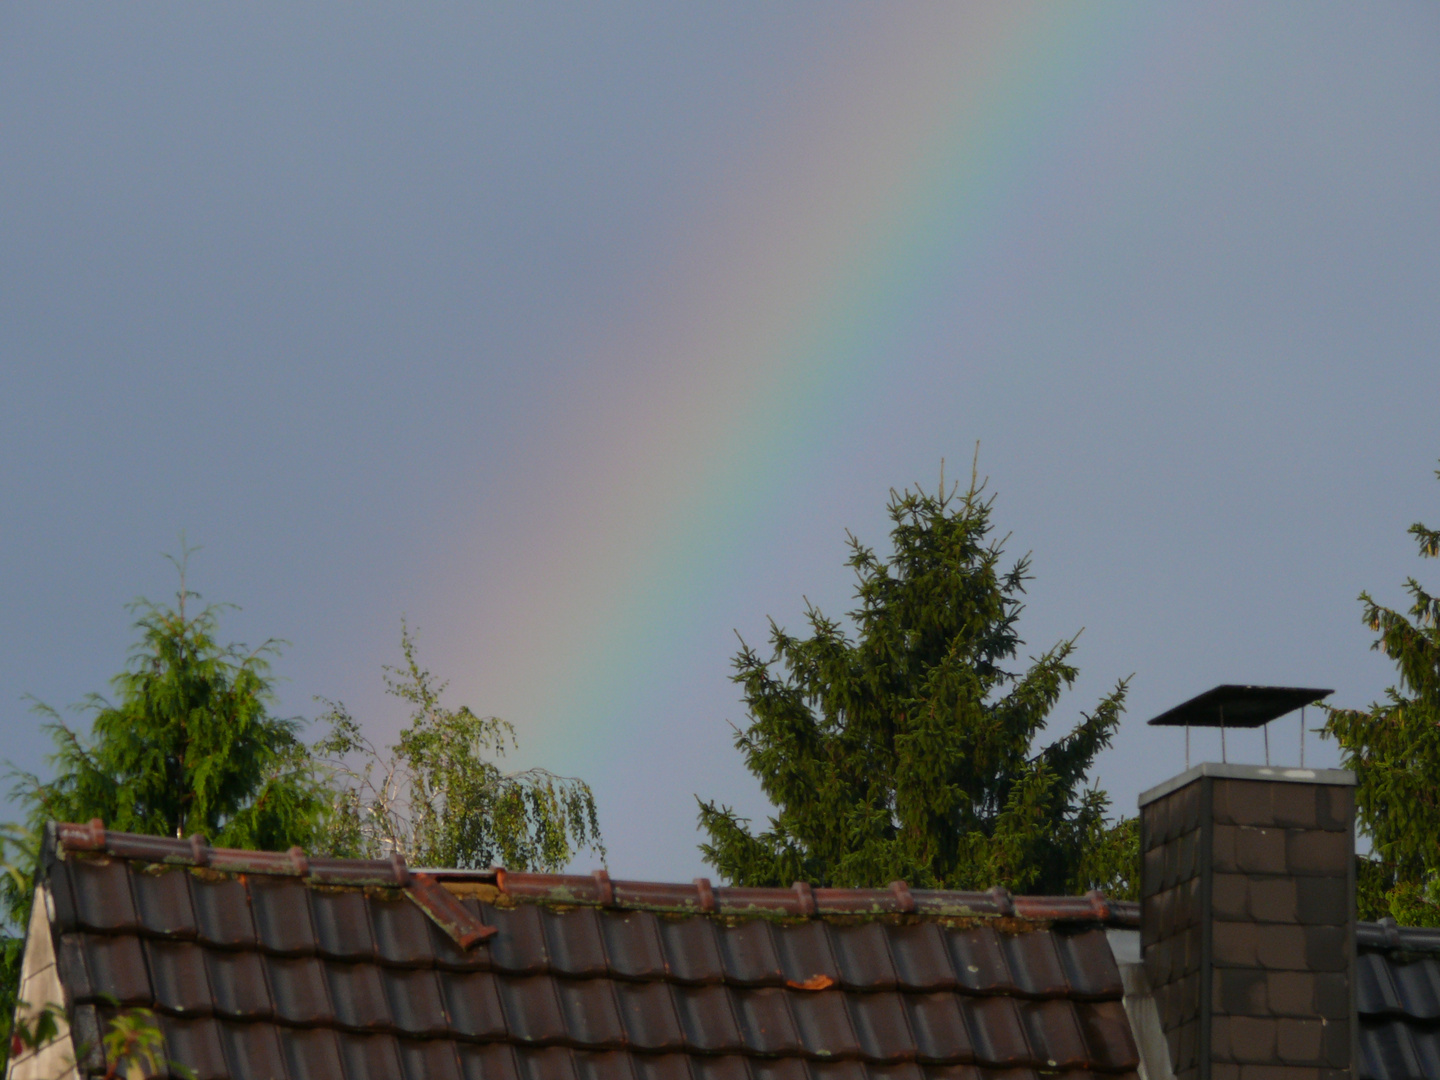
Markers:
1394,749
903,746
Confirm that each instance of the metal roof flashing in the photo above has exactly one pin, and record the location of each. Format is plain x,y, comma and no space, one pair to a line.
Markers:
1342,777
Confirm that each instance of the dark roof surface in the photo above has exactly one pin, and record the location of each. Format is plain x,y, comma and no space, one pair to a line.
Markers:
1238,706
310,968
1397,994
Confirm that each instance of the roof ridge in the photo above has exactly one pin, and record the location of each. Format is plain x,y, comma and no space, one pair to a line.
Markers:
1388,934
598,889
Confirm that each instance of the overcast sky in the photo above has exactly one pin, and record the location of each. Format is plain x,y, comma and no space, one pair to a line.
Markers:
579,337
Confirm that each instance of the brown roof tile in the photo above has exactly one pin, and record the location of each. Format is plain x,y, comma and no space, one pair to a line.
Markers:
222,911
435,1059
473,1004
300,990
707,1019
273,964
342,924
237,983
573,942
692,951
864,956
177,975
162,901
197,1044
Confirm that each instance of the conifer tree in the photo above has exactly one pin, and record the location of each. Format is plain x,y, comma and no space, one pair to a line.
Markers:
189,744
908,749
1394,749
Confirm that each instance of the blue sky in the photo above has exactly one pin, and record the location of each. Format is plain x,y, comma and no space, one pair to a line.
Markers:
353,300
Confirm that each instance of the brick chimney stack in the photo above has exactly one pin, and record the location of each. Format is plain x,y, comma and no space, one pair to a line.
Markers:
1248,921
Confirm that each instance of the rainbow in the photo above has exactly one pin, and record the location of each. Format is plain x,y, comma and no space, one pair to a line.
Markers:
818,256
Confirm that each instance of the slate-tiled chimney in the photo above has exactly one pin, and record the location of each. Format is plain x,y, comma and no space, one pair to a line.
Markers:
1248,921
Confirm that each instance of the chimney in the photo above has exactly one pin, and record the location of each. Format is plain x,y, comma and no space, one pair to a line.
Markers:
1247,915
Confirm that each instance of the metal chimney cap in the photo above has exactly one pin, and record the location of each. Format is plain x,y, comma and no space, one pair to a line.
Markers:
1235,706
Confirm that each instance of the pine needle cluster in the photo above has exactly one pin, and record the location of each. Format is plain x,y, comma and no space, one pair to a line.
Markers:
1394,749
904,745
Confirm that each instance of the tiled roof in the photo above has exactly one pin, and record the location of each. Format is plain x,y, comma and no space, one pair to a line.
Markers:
1397,995
264,964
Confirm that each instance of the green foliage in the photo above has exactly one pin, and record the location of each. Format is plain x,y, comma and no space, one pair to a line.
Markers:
188,746
30,1028
134,1047
19,852
1394,748
438,796
908,750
